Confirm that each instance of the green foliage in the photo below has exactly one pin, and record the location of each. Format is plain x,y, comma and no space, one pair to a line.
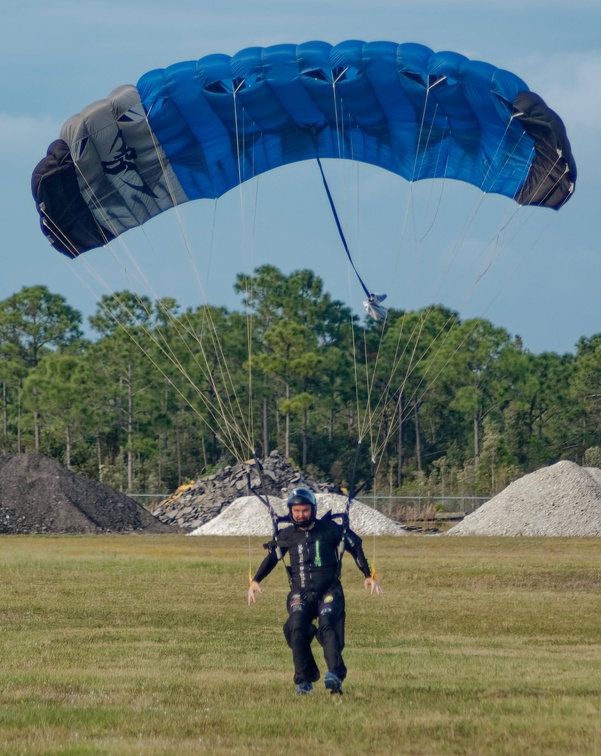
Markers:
440,406
35,321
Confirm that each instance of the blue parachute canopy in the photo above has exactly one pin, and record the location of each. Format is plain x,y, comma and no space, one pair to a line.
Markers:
199,128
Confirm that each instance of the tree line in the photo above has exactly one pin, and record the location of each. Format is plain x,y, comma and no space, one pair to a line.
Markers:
424,401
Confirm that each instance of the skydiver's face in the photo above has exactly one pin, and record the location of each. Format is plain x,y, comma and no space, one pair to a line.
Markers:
301,513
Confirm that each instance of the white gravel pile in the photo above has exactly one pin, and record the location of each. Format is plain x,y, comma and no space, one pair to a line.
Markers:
561,500
249,516
595,472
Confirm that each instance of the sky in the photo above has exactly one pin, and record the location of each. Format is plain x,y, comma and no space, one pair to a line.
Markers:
531,271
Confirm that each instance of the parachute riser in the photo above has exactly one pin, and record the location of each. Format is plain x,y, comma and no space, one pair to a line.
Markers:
352,494
275,518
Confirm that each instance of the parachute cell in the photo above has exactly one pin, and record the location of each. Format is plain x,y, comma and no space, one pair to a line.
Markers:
199,128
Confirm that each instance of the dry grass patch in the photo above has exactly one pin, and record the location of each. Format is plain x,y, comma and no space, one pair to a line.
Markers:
144,644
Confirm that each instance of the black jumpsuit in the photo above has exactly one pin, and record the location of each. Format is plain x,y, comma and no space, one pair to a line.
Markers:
316,592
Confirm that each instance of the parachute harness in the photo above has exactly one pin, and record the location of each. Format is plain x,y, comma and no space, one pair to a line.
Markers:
276,519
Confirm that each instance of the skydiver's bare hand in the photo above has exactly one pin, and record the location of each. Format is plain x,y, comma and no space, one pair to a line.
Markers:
254,588
374,585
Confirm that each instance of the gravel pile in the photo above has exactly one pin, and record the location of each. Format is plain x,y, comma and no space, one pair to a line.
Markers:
249,517
38,495
192,506
561,500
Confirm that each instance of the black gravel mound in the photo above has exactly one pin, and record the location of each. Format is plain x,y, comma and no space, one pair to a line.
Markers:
192,506
38,495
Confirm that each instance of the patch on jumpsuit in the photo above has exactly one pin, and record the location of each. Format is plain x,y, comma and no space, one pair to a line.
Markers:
325,609
296,603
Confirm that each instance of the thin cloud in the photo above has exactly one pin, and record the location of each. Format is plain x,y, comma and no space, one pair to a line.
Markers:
569,84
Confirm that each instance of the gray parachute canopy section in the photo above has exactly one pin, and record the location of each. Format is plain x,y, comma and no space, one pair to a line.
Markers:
106,174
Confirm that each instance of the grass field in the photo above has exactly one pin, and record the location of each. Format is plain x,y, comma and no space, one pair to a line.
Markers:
145,645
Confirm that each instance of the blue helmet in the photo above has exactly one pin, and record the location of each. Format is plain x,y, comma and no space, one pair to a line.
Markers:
303,496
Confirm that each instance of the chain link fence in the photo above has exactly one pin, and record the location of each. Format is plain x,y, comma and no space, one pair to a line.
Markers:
400,508
425,508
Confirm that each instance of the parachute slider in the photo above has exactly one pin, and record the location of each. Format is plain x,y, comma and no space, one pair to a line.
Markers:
374,308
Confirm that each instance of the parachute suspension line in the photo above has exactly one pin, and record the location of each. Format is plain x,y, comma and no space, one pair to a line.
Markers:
167,349
494,243
368,418
427,140
241,197
378,313
520,261
249,350
362,425
229,445
425,379
377,412
106,220
470,220
373,303
419,136
250,317
506,159
545,176
218,415
372,417
416,171
497,247
58,232
442,367
553,186
222,362
365,422
365,419
363,416
355,367
339,127
250,562
440,193
207,315
410,209
413,362
240,151
415,336
379,443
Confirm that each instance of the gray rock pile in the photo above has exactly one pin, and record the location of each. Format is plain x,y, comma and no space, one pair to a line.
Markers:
192,506
249,517
38,495
561,500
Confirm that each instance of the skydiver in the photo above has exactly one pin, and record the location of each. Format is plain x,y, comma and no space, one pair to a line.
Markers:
315,548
